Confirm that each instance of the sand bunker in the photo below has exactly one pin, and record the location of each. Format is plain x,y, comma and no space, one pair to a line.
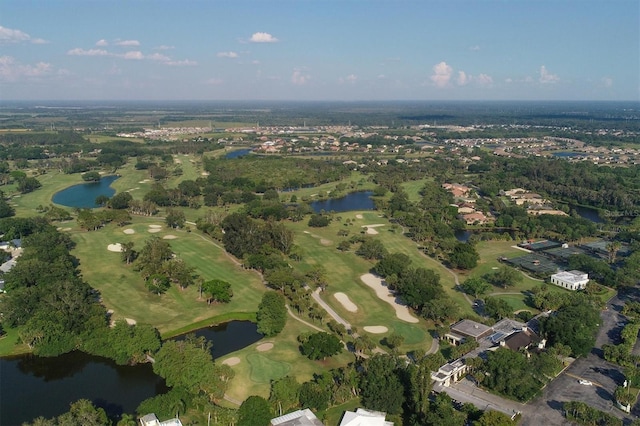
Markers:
265,347
205,173
155,226
130,321
169,237
359,216
383,292
234,360
145,181
154,230
129,231
132,189
115,247
346,302
325,242
372,231
375,329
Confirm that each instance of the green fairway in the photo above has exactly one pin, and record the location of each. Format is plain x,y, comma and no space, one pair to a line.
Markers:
122,289
264,369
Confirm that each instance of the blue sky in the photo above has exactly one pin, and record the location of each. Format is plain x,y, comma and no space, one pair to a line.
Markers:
320,50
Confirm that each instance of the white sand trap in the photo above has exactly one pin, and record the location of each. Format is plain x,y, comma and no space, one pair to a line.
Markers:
325,242
346,302
154,230
234,360
155,226
265,347
383,292
145,181
375,225
205,173
375,329
129,231
372,231
177,161
169,237
115,247
130,321
132,189
359,216
306,232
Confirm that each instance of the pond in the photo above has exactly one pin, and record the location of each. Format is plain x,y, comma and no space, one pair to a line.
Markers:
238,153
351,202
84,195
32,386
588,213
228,337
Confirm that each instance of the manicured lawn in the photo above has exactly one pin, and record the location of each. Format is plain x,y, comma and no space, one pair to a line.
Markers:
344,270
9,345
256,369
413,187
122,289
264,369
333,415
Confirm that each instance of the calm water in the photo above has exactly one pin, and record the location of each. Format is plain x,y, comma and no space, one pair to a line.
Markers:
229,337
588,213
84,195
353,201
566,154
31,386
238,153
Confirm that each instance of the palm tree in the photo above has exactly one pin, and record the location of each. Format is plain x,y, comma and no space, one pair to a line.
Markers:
612,249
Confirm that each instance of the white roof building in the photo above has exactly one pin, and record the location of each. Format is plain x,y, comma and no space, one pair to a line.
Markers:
152,420
364,417
571,280
297,418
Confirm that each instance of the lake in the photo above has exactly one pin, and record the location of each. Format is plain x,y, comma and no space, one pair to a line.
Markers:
32,386
84,195
238,153
351,202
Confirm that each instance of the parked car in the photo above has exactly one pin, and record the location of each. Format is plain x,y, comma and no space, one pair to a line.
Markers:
585,382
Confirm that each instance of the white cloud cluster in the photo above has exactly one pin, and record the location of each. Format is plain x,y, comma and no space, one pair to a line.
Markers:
127,43
260,37
227,55
546,77
8,35
134,55
443,74
12,70
299,78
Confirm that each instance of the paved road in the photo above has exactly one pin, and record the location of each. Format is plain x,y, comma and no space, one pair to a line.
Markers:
333,314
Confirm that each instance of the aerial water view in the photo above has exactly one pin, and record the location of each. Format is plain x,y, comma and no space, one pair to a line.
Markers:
330,212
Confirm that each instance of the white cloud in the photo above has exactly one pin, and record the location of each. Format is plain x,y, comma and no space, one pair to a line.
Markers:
484,80
442,74
102,43
255,62
11,70
128,43
182,63
8,35
90,52
134,54
607,82
299,78
474,48
262,38
158,57
462,78
227,55
164,47
546,77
